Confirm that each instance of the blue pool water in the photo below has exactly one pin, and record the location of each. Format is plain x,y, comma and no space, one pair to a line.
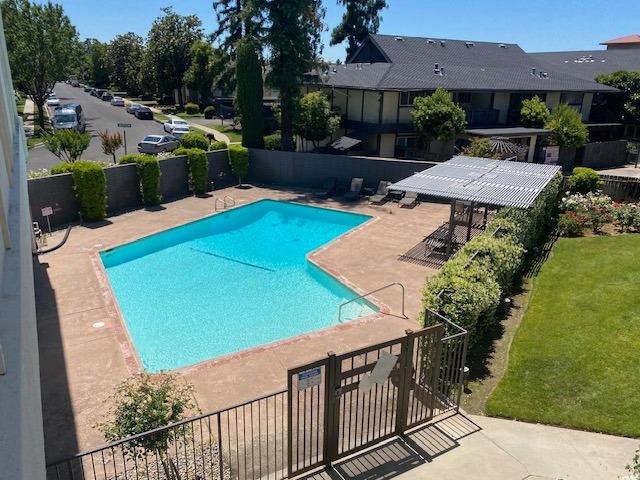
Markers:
230,282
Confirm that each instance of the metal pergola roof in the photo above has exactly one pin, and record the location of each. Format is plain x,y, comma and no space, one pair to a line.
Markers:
497,183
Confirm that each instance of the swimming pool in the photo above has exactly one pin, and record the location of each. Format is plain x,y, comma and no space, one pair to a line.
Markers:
230,282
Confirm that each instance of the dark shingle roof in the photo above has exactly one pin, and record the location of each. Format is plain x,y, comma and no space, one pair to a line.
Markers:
587,64
481,66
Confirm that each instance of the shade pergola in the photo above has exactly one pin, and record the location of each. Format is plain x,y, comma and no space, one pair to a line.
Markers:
480,181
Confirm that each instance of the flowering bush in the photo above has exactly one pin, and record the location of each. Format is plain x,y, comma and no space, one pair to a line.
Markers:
571,224
595,206
626,215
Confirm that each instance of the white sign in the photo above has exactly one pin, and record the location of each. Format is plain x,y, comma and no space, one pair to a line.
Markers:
380,372
309,378
46,211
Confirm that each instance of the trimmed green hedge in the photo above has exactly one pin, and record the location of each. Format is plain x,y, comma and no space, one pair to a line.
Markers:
584,180
239,161
198,170
272,142
191,109
180,151
64,167
472,288
217,145
128,158
90,185
209,112
149,175
194,140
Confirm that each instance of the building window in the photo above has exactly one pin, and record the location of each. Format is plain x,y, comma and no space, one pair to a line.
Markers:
406,147
573,99
407,98
464,97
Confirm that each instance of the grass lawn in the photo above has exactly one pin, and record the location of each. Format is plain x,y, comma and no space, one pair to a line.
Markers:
234,136
575,360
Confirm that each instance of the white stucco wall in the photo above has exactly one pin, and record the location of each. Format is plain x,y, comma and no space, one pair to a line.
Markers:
389,107
21,434
387,145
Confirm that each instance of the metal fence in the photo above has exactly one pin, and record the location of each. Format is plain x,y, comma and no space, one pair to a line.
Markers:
298,429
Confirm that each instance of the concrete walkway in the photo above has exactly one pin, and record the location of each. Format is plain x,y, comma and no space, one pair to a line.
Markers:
626,171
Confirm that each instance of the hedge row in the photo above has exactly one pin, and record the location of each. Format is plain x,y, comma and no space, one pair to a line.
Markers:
468,288
148,175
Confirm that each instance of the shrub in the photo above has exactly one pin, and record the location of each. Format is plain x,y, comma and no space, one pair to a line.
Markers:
217,145
567,129
198,170
469,293
191,109
239,161
501,256
584,180
272,142
194,140
128,158
571,224
626,215
209,112
67,145
180,151
249,92
149,175
64,167
481,147
90,185
534,112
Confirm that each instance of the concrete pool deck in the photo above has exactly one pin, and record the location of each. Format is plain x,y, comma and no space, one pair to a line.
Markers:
84,352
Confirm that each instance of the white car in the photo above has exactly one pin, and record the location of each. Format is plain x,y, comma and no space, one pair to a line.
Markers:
174,123
117,102
52,100
180,130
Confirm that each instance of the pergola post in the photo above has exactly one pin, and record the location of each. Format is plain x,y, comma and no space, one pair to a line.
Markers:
452,226
470,220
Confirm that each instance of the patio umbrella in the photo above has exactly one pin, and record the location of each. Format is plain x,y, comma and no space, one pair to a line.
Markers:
505,148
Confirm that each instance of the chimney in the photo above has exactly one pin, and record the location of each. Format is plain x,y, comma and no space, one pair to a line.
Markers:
533,71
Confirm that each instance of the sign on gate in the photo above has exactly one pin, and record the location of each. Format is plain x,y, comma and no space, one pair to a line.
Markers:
309,378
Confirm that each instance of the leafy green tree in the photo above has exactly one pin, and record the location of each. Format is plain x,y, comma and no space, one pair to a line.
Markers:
200,74
293,40
97,63
41,42
534,112
361,18
169,49
567,129
124,56
249,93
236,19
437,117
628,104
144,402
315,121
67,145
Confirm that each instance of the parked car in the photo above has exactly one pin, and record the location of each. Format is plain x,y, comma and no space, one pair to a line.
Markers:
52,100
88,89
106,97
132,107
179,131
75,83
158,144
117,102
97,92
144,113
172,123
76,109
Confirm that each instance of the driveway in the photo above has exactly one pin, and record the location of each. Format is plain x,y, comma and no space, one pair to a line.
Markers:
99,116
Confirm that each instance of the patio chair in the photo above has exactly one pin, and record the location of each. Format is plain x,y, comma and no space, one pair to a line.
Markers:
327,188
382,194
354,190
409,200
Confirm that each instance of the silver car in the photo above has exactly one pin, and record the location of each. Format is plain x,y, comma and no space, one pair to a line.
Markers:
178,132
158,144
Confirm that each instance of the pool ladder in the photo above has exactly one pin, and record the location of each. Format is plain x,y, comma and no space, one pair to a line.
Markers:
371,293
226,201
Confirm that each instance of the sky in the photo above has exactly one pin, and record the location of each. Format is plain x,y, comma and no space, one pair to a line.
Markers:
541,25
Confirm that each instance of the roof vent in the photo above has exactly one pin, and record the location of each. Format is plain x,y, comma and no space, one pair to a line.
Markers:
469,44
533,71
442,43
436,69
502,45
545,75
399,39
430,40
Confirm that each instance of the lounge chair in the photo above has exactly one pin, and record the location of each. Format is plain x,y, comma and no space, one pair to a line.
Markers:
382,194
409,200
328,187
355,189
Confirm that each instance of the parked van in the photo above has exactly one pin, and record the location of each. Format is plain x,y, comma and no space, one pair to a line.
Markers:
69,117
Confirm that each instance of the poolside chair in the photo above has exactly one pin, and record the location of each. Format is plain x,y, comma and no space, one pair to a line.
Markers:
382,194
328,187
409,200
355,189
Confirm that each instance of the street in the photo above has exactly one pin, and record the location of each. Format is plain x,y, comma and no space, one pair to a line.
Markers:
99,116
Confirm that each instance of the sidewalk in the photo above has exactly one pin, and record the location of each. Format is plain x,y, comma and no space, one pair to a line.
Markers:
505,450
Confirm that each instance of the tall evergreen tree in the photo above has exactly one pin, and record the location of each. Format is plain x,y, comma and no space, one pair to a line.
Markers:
168,48
361,18
293,40
41,42
236,20
249,93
